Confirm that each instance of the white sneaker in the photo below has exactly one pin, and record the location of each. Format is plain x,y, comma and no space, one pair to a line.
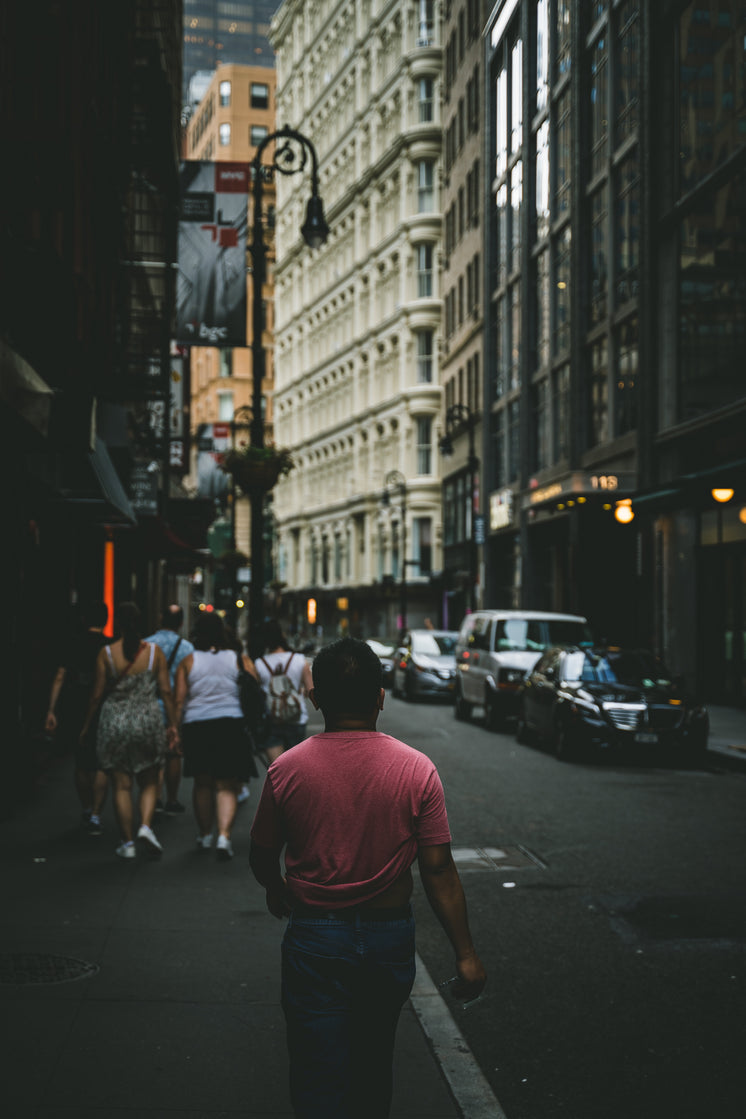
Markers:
243,794
126,850
204,841
225,848
148,841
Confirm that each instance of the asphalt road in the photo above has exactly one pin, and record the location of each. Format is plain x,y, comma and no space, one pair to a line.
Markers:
610,911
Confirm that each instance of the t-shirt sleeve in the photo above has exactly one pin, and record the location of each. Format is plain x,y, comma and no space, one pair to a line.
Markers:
267,830
431,822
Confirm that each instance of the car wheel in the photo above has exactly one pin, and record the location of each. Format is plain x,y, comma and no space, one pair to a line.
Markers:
565,747
493,717
461,709
522,733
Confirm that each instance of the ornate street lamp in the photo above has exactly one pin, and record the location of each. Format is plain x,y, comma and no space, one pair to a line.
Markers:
395,480
455,415
290,157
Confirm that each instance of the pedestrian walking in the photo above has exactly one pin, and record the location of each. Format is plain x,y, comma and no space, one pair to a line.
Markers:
131,739
217,749
353,808
175,647
68,703
286,680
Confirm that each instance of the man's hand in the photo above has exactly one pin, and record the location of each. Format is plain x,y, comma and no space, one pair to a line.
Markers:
472,978
278,902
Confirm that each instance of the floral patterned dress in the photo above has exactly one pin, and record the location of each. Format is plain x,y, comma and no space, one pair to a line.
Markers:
131,735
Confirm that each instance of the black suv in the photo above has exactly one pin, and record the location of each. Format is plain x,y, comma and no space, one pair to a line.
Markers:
586,700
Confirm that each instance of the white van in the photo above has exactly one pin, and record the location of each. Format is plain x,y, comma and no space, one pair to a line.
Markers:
496,649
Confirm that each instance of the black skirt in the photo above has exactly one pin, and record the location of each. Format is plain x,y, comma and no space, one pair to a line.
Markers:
218,748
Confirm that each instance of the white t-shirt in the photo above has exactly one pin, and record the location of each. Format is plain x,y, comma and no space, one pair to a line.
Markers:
213,687
294,673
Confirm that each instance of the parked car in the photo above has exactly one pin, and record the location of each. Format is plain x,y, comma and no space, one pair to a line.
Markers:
385,651
425,664
497,648
586,701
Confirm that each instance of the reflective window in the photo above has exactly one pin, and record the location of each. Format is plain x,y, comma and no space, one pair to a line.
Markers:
625,378
425,187
712,301
224,134
425,99
627,99
259,95
599,384
561,413
516,99
225,93
562,43
627,247
599,255
542,181
424,444
599,105
542,53
258,133
500,347
543,309
425,357
712,84
514,463
502,235
541,457
515,336
516,203
424,271
563,168
501,123
562,291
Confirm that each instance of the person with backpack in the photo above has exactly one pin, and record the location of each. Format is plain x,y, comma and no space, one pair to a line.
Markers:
286,680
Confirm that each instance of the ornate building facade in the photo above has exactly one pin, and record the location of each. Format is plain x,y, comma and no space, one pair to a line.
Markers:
358,322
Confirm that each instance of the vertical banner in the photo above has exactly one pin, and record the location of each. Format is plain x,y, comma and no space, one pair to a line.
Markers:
211,285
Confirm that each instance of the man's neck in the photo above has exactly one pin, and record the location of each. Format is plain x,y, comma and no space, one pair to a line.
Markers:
344,722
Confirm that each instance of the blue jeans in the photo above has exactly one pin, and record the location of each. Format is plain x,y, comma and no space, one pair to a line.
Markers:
344,983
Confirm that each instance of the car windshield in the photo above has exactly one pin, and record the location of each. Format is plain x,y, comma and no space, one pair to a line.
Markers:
381,648
635,669
434,644
537,634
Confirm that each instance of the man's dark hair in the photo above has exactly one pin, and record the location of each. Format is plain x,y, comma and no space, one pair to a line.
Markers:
347,677
273,636
172,617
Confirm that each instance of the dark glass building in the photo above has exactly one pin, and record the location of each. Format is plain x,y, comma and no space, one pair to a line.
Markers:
615,275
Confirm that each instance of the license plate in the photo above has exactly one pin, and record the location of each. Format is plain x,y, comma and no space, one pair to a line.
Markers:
642,736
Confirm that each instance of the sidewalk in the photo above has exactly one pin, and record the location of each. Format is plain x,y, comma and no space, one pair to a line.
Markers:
179,1012
728,735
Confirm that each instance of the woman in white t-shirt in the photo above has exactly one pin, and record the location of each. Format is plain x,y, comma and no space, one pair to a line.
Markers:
280,660
217,750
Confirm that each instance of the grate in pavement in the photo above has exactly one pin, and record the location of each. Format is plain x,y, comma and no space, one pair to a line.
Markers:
495,858
23,969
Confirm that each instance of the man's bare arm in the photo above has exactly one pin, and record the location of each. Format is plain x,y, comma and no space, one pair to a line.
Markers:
446,896
265,866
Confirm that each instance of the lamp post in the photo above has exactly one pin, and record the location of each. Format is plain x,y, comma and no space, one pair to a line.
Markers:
395,480
240,419
457,414
290,157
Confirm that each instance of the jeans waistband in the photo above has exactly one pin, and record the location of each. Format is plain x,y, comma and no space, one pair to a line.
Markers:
353,912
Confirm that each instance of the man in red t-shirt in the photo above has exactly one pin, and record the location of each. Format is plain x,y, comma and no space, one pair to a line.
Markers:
353,808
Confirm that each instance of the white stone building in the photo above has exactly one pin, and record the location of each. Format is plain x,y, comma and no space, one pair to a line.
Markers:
358,322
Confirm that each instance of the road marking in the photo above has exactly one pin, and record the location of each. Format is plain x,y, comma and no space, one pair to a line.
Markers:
471,1091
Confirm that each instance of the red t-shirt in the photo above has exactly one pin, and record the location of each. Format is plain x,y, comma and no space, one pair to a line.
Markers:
351,809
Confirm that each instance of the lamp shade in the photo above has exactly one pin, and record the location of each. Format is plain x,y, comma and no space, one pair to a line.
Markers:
314,229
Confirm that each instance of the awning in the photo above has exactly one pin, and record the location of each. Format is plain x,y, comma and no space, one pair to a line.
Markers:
23,390
683,490
109,481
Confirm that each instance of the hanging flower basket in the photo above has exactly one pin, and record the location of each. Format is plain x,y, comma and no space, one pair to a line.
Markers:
257,469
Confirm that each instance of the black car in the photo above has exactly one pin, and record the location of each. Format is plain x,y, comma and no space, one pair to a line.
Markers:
610,700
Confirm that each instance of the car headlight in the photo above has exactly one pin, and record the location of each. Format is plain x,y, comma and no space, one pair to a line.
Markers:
511,676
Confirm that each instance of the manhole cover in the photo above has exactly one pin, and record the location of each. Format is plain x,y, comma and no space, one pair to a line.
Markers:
34,968
494,858
652,920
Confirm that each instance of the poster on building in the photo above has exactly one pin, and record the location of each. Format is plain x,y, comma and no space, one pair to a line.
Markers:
211,283
213,440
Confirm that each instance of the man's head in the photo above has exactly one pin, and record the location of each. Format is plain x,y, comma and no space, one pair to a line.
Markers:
172,617
347,680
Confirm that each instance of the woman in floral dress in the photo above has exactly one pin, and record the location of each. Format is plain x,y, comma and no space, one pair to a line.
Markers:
131,739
